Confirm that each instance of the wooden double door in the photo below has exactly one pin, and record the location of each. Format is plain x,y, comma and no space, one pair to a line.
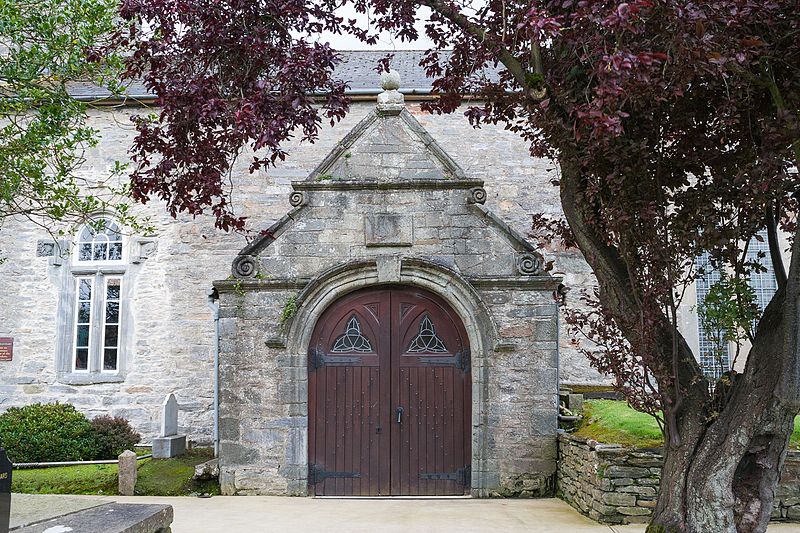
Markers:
389,397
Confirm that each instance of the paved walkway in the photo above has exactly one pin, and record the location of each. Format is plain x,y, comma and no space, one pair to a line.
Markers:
230,514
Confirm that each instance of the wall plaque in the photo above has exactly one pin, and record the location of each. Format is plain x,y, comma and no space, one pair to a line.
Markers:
384,229
6,348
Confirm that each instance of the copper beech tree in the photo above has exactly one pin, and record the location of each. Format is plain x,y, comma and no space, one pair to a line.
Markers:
675,126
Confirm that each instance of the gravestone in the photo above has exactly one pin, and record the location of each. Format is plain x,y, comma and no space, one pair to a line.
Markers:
127,473
5,491
169,443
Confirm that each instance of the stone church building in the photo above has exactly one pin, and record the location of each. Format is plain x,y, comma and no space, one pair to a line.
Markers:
393,332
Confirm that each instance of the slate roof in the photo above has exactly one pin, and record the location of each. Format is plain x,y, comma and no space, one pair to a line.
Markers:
357,68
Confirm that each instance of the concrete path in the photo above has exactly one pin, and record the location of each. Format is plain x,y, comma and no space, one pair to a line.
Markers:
232,514
255,514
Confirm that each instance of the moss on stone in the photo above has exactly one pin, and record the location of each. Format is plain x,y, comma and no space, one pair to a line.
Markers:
289,310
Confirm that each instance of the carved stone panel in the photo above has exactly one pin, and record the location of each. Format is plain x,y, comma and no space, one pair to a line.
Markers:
383,229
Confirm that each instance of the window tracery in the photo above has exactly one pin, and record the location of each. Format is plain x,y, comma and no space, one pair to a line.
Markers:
426,340
352,340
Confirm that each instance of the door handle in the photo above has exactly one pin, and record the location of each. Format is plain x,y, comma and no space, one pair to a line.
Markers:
399,412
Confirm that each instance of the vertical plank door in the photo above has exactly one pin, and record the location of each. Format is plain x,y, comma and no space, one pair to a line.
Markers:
389,397
349,398
431,446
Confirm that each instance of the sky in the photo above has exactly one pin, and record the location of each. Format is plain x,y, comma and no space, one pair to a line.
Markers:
387,42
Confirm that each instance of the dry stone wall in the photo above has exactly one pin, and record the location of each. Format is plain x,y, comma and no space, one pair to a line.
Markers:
618,485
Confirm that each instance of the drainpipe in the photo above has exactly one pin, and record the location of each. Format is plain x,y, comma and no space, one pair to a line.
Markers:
213,304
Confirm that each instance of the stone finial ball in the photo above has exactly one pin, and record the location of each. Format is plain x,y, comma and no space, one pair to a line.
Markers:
390,80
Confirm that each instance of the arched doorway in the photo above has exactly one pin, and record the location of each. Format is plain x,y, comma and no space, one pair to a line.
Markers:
389,396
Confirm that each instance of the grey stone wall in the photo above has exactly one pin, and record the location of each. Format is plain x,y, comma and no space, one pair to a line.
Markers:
520,400
264,403
617,485
374,222
171,334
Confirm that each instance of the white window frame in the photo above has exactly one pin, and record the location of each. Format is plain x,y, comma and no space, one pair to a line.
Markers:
109,222
98,272
103,313
75,323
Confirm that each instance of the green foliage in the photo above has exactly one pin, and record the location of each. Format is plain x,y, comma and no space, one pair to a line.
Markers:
48,44
238,289
83,479
614,422
727,314
173,477
46,432
534,79
156,477
112,436
289,310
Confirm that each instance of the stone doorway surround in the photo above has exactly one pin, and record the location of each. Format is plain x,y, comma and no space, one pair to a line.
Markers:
388,207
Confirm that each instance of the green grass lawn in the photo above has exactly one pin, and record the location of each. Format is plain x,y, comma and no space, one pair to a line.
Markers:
156,477
614,422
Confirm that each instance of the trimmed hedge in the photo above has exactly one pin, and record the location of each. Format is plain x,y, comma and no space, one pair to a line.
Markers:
40,433
46,432
113,435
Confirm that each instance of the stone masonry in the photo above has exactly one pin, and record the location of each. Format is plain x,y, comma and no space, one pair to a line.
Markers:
617,485
170,340
388,206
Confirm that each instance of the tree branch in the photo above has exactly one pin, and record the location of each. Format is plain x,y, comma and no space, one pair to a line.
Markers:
451,13
775,249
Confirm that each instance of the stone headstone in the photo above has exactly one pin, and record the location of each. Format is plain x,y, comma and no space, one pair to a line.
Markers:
169,444
169,416
127,473
5,491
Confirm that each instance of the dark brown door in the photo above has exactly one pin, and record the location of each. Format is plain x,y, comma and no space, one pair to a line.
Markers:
389,397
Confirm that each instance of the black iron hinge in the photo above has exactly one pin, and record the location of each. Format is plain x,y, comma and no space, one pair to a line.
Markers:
463,476
318,359
317,474
462,360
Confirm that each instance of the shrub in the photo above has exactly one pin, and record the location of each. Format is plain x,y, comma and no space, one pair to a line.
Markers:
113,435
46,432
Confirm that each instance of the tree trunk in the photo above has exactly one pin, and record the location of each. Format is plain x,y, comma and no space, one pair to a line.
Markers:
730,472
720,469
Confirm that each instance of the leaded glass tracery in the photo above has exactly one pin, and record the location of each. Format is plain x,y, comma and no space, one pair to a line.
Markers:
714,355
426,340
352,340
100,244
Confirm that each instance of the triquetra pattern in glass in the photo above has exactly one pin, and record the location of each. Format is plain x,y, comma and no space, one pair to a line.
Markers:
426,340
352,340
